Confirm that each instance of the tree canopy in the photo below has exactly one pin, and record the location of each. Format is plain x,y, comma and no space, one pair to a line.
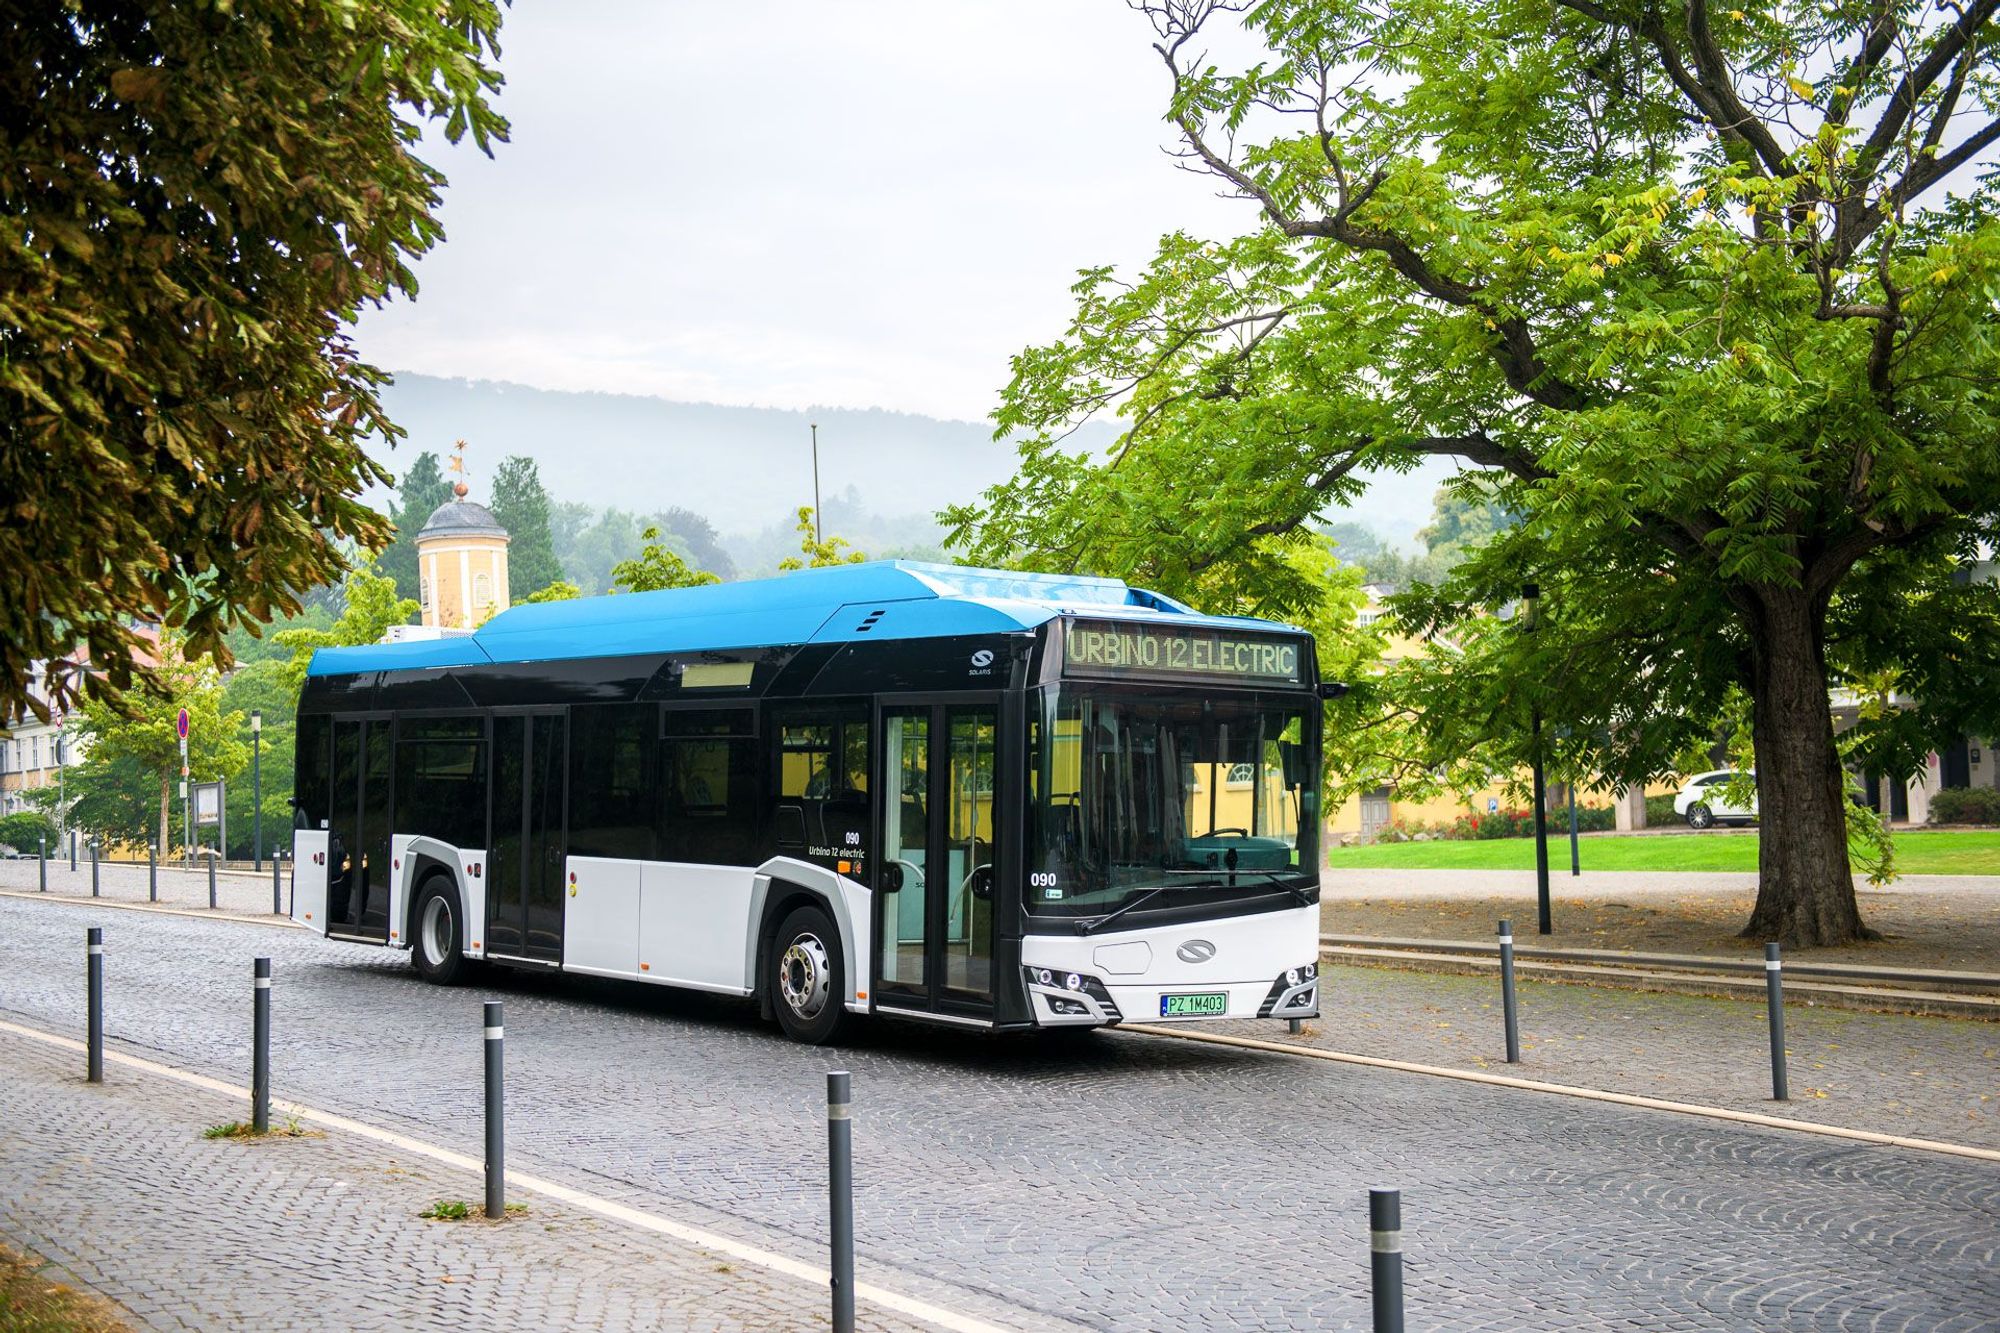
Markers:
522,506
372,607
658,565
422,491
196,201
1705,297
125,785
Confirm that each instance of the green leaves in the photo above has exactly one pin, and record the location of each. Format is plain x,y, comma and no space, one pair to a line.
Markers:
198,201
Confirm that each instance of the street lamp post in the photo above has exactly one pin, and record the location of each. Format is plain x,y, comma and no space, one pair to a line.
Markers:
1530,595
257,788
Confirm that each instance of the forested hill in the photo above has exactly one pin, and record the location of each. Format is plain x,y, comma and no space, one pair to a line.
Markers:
748,468
740,466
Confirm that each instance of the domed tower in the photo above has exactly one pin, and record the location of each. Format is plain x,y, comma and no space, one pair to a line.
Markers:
462,563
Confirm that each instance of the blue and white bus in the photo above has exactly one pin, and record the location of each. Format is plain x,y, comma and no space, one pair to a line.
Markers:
965,796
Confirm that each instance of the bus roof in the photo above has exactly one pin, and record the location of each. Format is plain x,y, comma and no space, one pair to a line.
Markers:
881,599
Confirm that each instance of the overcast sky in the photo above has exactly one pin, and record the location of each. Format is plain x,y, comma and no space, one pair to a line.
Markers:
781,203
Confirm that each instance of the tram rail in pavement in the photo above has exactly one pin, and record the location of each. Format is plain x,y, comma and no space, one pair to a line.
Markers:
1842,985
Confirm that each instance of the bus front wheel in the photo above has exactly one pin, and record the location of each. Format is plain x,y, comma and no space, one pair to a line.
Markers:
437,946
807,977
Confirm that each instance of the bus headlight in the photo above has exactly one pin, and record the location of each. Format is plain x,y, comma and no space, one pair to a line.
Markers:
1072,982
1293,995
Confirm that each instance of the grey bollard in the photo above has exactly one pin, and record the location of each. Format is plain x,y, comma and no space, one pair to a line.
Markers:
93,949
1385,1258
277,885
1774,992
152,874
1507,1005
840,1196
42,861
496,1110
93,868
211,881
260,1046
72,851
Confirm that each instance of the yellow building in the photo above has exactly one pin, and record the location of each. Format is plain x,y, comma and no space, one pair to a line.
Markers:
461,565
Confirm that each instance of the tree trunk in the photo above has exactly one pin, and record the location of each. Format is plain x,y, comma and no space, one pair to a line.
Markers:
1805,886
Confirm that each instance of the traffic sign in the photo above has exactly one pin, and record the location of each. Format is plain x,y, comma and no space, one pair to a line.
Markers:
181,725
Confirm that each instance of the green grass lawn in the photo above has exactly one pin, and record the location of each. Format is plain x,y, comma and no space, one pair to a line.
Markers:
1934,853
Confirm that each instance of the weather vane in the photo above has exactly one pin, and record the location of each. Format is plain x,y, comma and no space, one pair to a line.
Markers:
459,488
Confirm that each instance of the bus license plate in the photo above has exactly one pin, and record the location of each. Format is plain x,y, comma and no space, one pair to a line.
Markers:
1213,1004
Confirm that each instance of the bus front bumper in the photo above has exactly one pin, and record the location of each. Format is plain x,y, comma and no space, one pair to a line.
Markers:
1260,966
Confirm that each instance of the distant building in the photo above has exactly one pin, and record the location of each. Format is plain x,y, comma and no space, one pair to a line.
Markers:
461,565
32,752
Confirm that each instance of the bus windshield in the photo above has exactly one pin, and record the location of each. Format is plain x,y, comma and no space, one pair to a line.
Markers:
1206,798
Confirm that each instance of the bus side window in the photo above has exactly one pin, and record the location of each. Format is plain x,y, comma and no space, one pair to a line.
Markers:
709,814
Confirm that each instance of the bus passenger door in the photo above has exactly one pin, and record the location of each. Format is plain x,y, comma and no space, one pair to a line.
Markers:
524,885
934,876
358,833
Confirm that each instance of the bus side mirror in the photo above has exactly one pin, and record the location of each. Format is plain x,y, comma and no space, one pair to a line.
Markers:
1331,689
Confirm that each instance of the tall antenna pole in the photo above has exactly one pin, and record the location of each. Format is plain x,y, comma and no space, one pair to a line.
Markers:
815,431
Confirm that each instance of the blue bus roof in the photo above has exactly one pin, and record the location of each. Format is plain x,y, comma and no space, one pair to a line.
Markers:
900,599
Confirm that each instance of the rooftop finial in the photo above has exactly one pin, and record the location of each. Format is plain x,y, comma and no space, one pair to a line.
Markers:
459,488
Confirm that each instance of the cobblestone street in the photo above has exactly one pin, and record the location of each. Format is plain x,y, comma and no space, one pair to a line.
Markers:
116,1186
1118,1181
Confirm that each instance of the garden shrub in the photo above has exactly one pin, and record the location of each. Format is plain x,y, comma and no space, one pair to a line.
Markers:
1966,805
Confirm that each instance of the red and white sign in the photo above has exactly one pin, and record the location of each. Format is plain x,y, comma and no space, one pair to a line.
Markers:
181,725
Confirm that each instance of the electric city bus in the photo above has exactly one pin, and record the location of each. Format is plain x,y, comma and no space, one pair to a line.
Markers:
966,796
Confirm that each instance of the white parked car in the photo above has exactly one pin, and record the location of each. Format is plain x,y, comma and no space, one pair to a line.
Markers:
1701,801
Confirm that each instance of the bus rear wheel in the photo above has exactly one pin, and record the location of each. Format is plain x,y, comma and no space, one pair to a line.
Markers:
437,943
807,977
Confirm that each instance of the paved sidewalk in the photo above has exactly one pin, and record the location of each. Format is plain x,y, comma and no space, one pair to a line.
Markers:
1934,1078
1930,921
116,1187
235,891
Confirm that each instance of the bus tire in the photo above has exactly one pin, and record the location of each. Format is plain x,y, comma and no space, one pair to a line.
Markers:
437,932
807,977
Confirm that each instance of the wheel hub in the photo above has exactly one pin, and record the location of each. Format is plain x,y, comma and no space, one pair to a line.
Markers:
804,976
437,932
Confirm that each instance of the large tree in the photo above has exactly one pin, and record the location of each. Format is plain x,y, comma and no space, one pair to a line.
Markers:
125,785
196,201
1708,296
522,506
422,490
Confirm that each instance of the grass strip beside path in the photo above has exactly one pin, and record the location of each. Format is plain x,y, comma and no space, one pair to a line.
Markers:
1918,853
30,1303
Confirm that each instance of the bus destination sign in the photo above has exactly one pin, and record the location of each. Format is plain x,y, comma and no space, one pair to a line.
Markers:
1092,648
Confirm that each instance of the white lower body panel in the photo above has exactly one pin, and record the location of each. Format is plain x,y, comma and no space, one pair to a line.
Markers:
1244,958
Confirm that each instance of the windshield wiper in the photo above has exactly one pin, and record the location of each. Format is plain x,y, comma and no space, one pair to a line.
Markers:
1095,923
1298,893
